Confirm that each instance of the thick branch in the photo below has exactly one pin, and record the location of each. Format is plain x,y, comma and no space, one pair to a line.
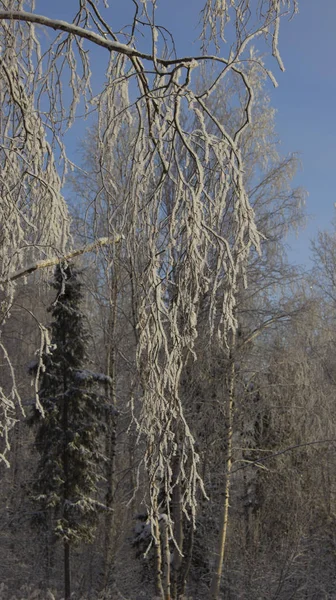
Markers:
50,262
59,25
97,39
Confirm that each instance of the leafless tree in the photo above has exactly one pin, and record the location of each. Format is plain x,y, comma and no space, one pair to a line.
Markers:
151,91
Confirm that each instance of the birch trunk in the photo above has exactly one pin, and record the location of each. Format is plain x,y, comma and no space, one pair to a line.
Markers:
178,527
158,559
166,560
217,575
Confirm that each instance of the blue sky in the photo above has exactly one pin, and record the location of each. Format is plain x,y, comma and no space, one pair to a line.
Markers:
305,98
306,119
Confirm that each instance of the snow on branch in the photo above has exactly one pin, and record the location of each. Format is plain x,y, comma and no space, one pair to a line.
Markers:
51,262
179,201
86,376
74,30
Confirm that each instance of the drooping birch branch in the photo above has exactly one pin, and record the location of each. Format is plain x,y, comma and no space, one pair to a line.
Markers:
182,204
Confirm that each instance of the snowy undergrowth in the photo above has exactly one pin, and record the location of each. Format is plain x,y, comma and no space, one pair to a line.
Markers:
27,592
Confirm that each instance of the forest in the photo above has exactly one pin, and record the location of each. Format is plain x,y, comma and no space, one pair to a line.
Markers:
167,377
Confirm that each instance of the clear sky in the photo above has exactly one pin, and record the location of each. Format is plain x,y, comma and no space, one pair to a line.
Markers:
306,118
305,99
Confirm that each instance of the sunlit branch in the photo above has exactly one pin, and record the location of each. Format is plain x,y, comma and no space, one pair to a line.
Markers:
51,262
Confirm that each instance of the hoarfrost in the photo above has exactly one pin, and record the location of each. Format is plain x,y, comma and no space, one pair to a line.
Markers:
182,210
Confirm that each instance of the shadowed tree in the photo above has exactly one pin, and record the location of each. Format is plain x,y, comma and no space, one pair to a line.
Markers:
68,436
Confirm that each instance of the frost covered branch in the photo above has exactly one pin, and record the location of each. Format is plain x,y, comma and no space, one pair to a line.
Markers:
51,262
178,201
114,46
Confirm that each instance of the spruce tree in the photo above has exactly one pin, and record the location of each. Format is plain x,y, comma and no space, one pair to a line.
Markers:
68,436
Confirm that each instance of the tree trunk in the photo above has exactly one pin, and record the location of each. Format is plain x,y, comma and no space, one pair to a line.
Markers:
186,561
217,575
158,557
111,433
166,559
109,499
178,527
65,424
67,574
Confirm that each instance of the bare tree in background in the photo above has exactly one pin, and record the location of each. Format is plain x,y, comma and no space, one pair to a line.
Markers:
152,91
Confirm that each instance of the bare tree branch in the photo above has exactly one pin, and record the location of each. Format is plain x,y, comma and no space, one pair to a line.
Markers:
51,262
258,462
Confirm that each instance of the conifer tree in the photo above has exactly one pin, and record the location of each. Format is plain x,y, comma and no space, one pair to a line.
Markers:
68,436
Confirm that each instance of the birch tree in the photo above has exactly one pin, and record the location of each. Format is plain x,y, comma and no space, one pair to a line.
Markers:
150,88
267,178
